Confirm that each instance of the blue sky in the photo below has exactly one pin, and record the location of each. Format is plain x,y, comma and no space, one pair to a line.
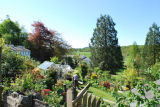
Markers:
76,19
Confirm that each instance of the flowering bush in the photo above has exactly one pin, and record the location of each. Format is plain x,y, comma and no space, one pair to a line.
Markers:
45,92
106,84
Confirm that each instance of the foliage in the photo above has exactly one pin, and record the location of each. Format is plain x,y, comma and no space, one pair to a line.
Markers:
46,43
54,59
67,76
40,85
12,33
53,99
69,61
151,49
106,84
134,60
23,83
153,72
105,52
1,47
140,97
84,69
36,74
94,76
77,72
2,41
51,78
45,92
130,76
98,70
12,63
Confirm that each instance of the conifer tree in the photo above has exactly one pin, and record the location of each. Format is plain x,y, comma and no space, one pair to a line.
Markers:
105,51
151,51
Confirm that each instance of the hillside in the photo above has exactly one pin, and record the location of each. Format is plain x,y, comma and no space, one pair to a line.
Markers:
125,51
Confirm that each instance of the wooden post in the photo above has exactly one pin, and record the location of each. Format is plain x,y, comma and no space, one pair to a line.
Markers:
69,98
65,94
93,103
89,100
85,99
65,88
79,103
98,103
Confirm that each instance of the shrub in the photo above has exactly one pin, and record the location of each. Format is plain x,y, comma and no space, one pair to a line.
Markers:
53,99
55,60
40,85
45,92
29,64
23,83
12,64
153,73
131,77
59,83
94,76
106,84
51,78
67,76
84,69
36,74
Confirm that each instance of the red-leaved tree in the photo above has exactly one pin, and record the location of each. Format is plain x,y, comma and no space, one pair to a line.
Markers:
45,43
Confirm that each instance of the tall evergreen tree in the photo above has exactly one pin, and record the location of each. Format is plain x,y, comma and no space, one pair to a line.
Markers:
105,51
151,52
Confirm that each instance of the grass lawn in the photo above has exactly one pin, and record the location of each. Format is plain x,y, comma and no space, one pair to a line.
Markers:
102,94
87,54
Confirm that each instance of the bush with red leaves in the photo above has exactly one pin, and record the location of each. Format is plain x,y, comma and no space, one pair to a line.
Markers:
106,84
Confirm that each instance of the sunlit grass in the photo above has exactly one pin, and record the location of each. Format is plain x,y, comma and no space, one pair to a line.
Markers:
102,94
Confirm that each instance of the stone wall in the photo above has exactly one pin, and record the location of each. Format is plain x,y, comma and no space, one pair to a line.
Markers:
17,100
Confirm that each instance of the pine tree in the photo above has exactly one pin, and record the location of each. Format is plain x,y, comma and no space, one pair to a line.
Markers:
105,51
151,51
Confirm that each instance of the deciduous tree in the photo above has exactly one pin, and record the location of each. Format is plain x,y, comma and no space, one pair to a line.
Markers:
45,43
12,33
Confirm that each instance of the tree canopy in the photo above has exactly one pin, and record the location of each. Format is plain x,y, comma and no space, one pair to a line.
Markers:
12,33
45,43
105,51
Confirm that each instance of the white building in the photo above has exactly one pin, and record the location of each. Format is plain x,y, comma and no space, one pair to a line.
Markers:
21,50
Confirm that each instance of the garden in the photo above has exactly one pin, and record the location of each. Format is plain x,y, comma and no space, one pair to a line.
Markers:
118,76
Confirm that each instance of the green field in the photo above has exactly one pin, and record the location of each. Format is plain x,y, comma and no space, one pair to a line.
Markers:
87,54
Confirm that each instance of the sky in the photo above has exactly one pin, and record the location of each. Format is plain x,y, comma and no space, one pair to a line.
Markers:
75,20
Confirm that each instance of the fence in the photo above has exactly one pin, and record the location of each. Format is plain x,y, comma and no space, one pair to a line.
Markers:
82,99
